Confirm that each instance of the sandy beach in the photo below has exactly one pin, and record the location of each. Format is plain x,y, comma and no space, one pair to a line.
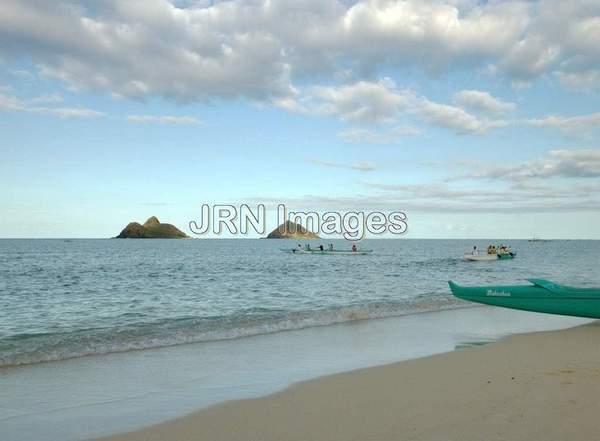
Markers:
538,386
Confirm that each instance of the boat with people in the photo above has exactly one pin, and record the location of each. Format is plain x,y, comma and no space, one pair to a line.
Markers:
307,249
493,252
540,296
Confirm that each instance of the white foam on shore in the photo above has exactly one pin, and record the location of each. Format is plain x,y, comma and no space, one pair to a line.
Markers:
66,346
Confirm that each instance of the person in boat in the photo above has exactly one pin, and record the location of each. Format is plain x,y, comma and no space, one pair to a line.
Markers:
321,247
475,252
307,247
354,249
330,247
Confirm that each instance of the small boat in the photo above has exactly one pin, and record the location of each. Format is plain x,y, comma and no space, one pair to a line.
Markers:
318,251
485,257
537,239
541,296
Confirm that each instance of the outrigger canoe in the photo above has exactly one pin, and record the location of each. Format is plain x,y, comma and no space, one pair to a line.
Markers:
318,251
540,296
484,257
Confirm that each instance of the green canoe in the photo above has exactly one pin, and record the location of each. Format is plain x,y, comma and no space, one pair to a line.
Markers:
540,296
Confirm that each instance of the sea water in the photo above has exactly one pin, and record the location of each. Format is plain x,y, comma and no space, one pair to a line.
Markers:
93,332
63,299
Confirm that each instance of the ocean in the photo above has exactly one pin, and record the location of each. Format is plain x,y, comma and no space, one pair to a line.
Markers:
62,298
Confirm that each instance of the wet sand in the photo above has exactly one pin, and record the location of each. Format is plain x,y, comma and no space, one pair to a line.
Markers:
537,386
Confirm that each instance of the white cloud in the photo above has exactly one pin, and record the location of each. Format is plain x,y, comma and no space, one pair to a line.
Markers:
479,101
164,119
563,163
577,125
47,98
580,81
67,112
195,51
10,103
14,104
381,102
369,136
364,166
360,102
457,119
445,198
530,57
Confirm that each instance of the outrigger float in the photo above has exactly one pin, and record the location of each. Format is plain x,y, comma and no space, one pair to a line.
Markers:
541,296
318,251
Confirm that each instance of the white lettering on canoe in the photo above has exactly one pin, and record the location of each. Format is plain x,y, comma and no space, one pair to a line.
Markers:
492,293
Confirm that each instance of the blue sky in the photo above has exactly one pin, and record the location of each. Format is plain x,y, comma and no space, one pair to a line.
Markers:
477,119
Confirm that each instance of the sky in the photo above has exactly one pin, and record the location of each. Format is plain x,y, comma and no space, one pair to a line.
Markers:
476,119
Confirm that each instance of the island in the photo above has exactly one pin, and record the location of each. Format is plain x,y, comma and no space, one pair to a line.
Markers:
152,229
291,230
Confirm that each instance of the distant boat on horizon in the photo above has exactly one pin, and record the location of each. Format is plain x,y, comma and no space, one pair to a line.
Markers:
537,239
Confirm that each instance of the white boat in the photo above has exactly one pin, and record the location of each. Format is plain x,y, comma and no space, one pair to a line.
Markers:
485,257
537,239
480,257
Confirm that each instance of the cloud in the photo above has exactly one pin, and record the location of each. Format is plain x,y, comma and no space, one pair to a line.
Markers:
478,101
364,166
456,119
67,112
10,103
382,102
369,136
443,199
13,104
360,102
580,124
579,163
580,81
140,49
165,119
260,49
48,98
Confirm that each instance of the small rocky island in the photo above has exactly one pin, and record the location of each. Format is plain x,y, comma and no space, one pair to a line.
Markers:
152,229
291,230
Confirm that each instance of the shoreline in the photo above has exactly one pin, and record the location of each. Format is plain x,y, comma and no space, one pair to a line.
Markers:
351,318
127,391
502,390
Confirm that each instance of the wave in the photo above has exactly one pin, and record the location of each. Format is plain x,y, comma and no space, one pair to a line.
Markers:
26,349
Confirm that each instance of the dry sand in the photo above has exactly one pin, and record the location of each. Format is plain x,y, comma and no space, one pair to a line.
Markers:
540,386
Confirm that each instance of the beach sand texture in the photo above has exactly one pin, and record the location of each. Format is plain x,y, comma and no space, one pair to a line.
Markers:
539,386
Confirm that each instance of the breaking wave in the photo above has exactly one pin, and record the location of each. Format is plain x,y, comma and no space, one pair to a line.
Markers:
33,348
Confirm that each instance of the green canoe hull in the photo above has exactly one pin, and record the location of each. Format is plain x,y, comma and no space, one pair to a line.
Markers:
540,296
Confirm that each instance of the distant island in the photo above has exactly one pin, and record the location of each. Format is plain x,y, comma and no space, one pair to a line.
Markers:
152,229
291,230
